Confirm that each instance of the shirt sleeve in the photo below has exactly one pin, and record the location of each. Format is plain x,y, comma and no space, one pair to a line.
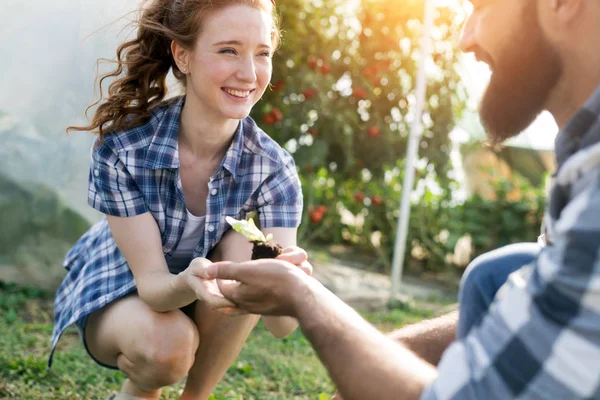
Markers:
112,190
541,337
280,198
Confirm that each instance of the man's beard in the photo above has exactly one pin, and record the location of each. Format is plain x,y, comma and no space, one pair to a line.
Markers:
522,80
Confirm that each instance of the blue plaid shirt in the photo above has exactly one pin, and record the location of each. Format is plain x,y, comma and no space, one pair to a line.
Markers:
137,171
541,337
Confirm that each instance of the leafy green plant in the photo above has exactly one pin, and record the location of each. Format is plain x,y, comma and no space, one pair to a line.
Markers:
514,215
342,103
363,213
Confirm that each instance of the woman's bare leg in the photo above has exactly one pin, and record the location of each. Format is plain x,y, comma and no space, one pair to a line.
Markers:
221,336
153,349
158,349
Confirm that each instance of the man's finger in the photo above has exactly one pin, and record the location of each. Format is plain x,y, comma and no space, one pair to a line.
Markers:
231,271
233,312
212,299
218,302
228,288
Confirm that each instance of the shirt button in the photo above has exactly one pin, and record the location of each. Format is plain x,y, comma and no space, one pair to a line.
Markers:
96,172
211,228
214,192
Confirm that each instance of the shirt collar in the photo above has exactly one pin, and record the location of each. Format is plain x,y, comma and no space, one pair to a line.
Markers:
163,151
583,130
232,158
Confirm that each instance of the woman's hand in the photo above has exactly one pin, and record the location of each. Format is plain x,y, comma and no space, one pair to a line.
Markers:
297,256
206,290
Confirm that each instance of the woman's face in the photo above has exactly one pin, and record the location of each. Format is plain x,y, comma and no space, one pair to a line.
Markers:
229,67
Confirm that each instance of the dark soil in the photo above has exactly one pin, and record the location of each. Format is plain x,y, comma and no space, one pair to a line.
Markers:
268,249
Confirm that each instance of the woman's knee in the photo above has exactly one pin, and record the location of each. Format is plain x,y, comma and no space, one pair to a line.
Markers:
165,349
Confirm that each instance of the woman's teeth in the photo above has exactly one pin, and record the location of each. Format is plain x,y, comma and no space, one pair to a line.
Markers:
238,93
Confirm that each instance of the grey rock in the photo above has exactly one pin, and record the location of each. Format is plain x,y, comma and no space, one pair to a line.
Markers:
369,291
37,229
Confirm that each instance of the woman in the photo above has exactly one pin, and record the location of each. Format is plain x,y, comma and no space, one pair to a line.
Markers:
166,173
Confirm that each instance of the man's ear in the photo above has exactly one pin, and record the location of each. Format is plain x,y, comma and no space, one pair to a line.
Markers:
181,56
566,11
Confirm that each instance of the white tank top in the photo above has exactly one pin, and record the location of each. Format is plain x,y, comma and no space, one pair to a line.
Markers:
192,234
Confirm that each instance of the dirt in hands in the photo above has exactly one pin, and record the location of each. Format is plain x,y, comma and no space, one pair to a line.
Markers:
268,249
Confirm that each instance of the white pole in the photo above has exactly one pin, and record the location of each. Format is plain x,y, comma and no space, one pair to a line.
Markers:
412,152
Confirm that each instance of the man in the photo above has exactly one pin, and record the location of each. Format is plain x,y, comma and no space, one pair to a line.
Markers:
540,338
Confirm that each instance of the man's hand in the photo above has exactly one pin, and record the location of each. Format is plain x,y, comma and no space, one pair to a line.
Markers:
361,361
266,286
205,290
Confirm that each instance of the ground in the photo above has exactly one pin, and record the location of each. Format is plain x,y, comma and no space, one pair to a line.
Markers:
267,368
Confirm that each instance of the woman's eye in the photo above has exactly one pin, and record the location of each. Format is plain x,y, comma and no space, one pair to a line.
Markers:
227,51
265,54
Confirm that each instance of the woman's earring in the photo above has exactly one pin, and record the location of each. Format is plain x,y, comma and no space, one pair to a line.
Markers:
184,70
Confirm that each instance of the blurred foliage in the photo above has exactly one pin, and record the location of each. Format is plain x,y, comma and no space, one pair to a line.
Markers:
342,102
342,87
514,215
363,213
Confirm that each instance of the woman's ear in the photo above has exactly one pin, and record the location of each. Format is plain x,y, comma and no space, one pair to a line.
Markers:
181,56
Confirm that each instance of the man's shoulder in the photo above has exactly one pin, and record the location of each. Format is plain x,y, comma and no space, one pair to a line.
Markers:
579,166
577,187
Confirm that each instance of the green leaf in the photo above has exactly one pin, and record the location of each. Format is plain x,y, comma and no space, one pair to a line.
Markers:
244,368
11,316
247,228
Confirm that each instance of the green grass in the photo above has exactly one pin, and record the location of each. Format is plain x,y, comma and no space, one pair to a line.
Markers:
267,368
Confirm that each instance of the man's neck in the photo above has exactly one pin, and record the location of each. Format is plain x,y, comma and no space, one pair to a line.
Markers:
580,79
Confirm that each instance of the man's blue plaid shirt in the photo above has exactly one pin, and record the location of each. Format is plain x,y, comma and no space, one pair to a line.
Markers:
541,337
137,171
